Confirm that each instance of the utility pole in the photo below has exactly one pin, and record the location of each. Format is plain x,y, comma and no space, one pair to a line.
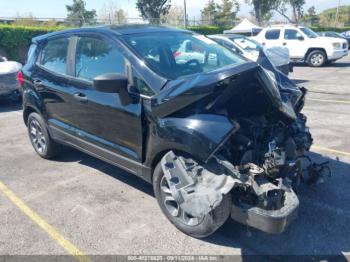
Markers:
337,14
185,15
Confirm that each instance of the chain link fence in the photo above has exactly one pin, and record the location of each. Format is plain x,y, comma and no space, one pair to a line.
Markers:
176,22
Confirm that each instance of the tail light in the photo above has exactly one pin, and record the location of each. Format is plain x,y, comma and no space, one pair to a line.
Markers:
20,78
176,54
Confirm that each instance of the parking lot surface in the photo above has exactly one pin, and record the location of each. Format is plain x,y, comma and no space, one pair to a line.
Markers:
78,203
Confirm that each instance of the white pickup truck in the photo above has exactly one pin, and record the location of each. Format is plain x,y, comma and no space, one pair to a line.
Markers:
304,44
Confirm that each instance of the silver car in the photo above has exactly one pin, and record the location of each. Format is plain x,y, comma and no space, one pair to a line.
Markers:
9,85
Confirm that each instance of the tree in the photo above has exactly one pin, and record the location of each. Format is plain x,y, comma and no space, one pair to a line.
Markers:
226,12
311,11
329,17
78,15
152,10
111,14
220,14
311,16
262,9
297,7
26,20
209,13
175,16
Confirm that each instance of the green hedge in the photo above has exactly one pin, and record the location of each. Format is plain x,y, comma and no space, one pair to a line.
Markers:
13,38
208,30
336,29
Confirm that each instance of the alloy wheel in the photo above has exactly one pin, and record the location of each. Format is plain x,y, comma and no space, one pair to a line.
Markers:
317,59
173,207
37,136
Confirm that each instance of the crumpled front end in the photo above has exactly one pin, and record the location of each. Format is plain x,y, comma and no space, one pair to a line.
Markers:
259,164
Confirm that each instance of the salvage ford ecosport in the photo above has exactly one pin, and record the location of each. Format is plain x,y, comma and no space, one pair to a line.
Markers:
216,135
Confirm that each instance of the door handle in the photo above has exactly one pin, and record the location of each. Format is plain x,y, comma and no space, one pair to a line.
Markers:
263,43
80,97
284,44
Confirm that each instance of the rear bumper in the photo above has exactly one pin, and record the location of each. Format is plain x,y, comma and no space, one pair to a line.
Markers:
269,221
8,83
8,90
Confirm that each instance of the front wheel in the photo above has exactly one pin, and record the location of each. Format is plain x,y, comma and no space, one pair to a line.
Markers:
316,58
198,227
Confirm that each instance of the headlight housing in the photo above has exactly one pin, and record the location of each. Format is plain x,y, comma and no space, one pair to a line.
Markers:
336,45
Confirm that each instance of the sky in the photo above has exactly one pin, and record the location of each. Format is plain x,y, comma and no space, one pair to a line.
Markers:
56,8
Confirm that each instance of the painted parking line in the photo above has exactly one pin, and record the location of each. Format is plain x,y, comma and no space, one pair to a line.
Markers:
329,100
52,232
329,150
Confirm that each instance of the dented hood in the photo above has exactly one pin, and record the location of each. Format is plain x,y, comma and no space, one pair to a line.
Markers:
180,93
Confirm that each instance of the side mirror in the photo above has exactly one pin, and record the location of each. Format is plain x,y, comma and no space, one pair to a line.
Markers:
300,38
111,83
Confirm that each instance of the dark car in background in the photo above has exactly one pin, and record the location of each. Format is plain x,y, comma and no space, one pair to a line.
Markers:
217,135
336,35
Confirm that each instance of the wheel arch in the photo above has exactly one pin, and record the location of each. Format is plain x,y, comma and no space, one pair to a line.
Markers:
27,111
162,153
315,49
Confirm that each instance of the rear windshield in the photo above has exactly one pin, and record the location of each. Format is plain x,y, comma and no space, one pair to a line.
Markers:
177,54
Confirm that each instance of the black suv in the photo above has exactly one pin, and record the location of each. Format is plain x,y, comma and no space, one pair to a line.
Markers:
217,135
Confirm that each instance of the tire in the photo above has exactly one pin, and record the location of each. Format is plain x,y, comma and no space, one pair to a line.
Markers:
206,225
316,58
41,141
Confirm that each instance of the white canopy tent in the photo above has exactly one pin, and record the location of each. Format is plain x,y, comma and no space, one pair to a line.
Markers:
244,27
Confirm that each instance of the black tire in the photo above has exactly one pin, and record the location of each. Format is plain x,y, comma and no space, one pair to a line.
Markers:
207,225
316,58
41,141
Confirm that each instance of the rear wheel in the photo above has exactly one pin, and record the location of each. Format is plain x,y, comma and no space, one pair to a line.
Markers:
198,227
40,138
316,58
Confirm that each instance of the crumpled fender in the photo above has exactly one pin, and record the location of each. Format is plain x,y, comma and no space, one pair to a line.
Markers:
199,135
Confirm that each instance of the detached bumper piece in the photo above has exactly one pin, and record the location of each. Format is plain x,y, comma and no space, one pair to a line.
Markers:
269,221
262,203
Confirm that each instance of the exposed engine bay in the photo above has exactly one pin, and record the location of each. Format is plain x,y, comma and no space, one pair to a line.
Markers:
260,164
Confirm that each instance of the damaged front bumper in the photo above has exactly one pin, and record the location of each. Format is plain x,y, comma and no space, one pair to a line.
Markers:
269,206
269,221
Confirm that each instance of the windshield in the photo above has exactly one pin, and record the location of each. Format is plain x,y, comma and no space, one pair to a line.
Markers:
307,31
247,45
178,54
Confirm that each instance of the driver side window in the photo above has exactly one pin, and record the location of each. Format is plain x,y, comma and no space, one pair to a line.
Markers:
95,56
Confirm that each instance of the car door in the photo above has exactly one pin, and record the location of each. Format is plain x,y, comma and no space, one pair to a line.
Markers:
295,42
109,122
50,79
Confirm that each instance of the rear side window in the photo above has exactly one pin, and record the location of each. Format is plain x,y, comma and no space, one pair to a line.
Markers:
96,56
54,55
31,52
273,34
